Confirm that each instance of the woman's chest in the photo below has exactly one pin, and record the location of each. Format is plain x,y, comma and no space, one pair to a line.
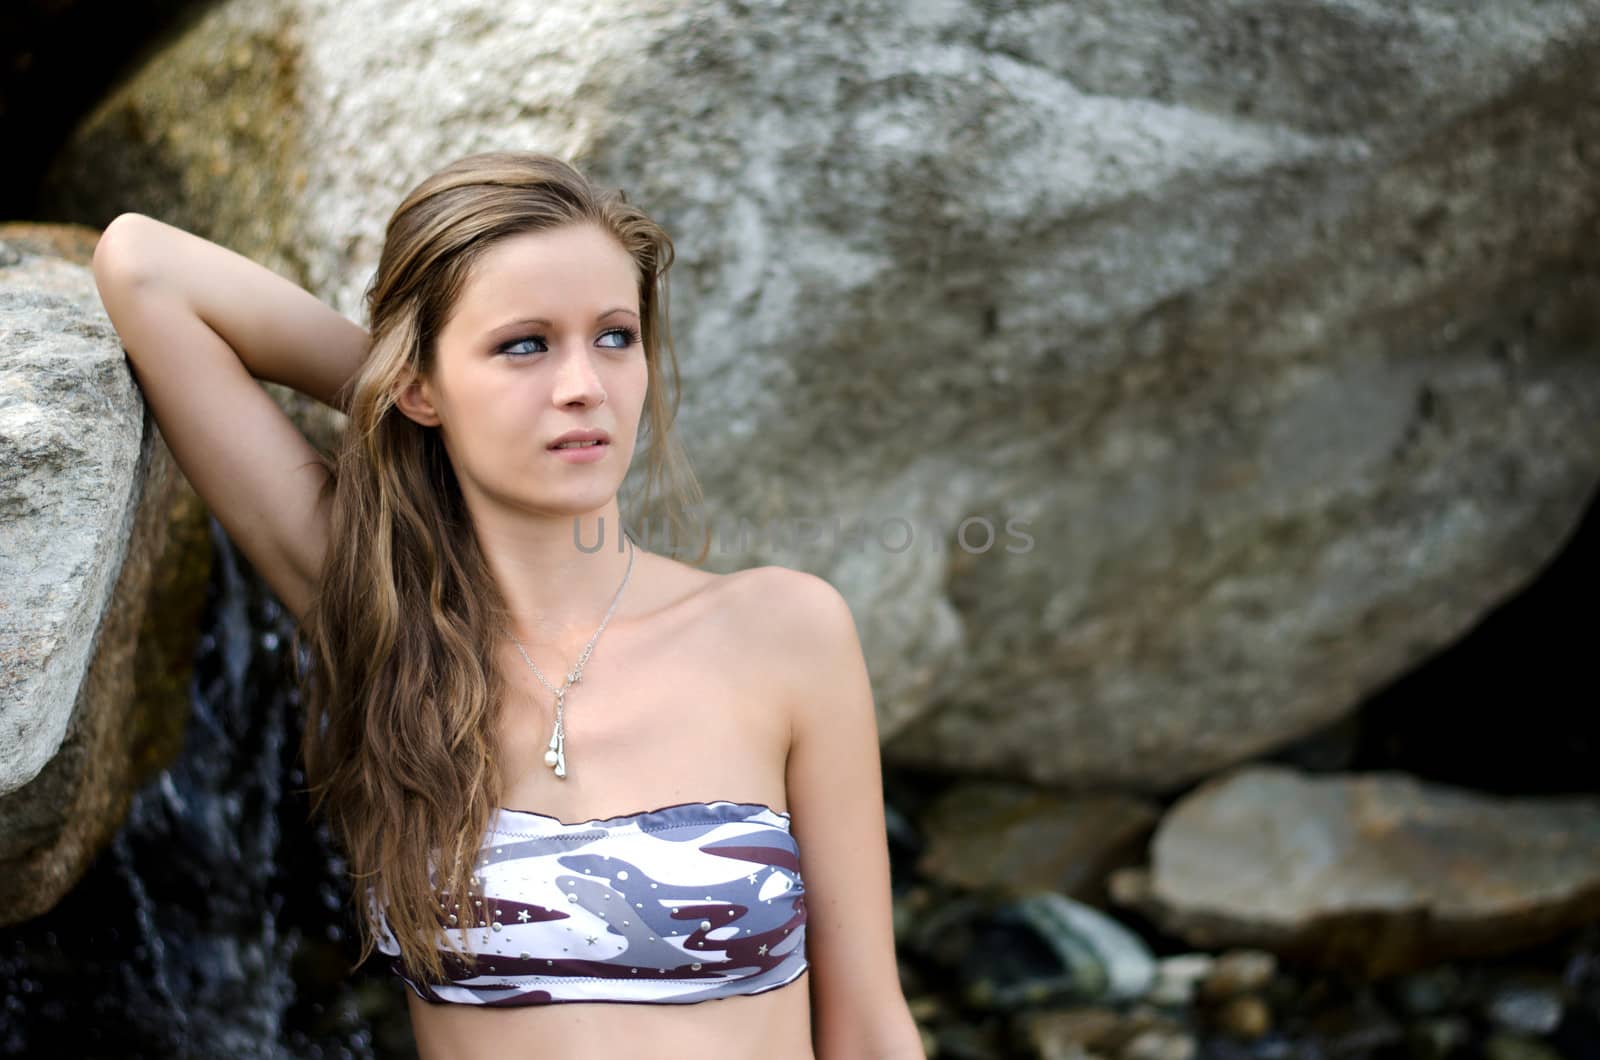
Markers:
668,712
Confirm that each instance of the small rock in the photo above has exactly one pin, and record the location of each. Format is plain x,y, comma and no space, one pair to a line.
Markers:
1245,1016
1239,972
1131,887
1071,1032
1141,1016
1178,978
1157,1044
1502,1046
1046,947
1528,1007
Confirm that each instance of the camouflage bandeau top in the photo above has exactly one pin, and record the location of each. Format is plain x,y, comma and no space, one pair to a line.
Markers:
689,902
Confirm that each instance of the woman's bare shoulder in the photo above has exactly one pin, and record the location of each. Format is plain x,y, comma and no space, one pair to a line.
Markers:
755,608
780,612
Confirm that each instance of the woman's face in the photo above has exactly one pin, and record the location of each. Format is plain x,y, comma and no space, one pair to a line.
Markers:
543,340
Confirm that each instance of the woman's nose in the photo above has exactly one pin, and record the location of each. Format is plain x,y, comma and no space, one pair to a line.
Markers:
577,380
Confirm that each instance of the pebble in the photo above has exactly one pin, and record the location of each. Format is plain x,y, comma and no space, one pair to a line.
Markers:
1142,1017
1178,978
1069,1032
1050,1050
1239,972
1084,955
1245,1016
1158,1044
1525,1008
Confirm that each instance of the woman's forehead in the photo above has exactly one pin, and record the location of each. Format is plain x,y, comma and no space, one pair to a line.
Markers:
569,276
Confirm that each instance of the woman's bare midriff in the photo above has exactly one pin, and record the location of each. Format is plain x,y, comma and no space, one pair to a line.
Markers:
775,1025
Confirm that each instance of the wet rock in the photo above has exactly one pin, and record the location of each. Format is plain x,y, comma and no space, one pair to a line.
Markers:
1238,972
1244,1016
1526,1006
1045,947
1380,873
103,565
1178,978
1155,1044
1016,839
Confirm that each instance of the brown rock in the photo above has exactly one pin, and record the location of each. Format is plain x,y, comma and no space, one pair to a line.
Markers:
1245,1016
1014,839
1238,972
1159,1044
1058,1034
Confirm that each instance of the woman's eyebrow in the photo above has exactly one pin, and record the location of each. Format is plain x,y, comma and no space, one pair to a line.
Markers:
523,321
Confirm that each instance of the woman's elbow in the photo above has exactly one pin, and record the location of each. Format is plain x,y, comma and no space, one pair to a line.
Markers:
117,257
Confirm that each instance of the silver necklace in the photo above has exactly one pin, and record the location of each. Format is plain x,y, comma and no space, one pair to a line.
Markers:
556,756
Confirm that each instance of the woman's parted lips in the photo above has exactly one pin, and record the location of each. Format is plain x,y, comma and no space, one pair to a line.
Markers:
590,434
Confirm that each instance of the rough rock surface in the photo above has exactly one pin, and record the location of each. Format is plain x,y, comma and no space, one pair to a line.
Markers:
103,561
1271,322
1015,839
1378,872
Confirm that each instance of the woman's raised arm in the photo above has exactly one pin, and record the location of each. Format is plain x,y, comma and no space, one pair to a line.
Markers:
201,324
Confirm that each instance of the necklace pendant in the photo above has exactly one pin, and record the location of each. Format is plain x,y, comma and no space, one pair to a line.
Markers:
556,756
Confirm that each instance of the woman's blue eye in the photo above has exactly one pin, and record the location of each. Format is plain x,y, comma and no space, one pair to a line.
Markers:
629,337
510,347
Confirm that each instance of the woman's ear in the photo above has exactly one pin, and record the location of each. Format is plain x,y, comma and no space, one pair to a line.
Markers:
416,401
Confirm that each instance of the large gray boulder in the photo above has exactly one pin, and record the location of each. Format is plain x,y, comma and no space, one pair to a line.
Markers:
1380,873
103,562
1270,322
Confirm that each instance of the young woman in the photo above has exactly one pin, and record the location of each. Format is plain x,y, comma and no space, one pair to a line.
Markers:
595,801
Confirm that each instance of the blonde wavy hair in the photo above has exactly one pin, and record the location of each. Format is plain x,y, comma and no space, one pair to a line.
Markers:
401,699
